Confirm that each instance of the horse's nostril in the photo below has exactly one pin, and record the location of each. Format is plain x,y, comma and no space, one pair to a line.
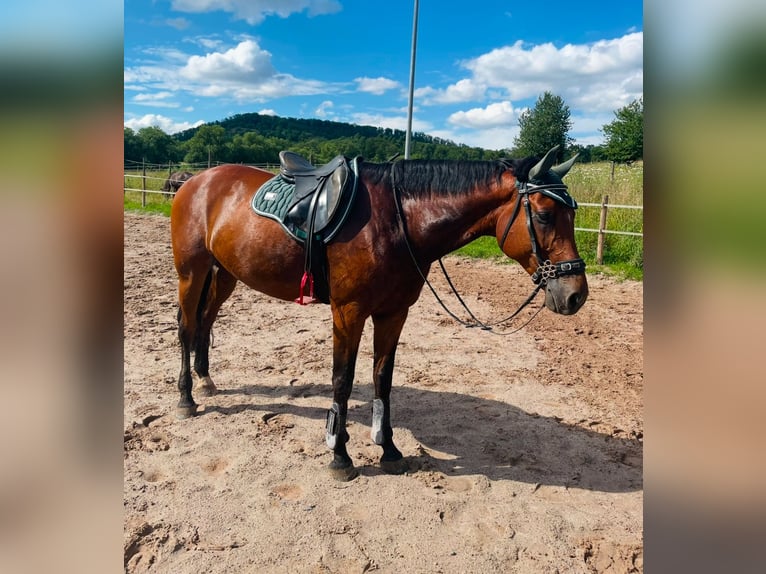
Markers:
573,301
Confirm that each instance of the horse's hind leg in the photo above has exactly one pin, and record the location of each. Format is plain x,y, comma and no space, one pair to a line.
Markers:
192,279
221,285
386,338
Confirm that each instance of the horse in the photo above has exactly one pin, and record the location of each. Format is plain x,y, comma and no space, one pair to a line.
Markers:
175,180
405,215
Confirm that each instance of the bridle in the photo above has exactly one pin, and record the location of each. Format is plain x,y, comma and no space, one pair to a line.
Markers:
545,269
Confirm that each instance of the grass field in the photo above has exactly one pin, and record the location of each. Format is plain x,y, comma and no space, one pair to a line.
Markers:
588,183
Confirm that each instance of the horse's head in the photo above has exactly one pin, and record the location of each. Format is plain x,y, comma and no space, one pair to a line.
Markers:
537,230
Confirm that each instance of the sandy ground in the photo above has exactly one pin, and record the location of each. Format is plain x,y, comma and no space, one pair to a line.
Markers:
525,450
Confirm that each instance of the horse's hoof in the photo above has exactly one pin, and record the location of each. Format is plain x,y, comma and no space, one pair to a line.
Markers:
343,473
399,466
205,387
206,390
186,412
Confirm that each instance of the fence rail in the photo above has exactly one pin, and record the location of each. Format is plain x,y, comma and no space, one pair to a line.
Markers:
602,230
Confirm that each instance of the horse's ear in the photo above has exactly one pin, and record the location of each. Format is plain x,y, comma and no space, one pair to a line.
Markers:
563,168
542,167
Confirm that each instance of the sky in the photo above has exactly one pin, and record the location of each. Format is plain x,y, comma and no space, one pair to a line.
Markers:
479,65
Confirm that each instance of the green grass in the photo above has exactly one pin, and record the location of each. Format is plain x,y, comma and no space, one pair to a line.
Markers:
155,202
588,183
151,206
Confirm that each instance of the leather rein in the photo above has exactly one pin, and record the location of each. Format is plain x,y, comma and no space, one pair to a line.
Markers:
545,269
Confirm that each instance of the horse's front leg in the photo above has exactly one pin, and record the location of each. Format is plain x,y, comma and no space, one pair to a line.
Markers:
386,338
348,324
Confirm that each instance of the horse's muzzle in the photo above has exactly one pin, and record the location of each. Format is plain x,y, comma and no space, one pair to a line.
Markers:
565,295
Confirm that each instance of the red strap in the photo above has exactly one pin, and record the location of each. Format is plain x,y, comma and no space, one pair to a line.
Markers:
310,278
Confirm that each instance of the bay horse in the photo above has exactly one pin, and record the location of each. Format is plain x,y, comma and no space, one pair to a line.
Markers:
175,180
405,215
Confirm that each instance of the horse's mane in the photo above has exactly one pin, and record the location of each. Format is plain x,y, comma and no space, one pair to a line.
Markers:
422,178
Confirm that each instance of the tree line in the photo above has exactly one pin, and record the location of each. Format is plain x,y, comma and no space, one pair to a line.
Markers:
257,139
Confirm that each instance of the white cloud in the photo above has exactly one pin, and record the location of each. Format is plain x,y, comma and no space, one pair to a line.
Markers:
157,99
178,23
601,76
325,109
244,73
494,115
152,97
393,122
255,11
267,112
244,63
465,90
489,138
209,43
377,86
167,125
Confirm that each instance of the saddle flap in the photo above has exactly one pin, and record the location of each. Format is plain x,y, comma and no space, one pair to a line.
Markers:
330,193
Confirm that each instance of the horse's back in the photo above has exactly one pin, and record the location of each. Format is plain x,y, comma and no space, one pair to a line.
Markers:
205,195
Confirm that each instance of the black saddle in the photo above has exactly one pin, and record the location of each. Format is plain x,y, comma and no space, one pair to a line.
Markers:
319,193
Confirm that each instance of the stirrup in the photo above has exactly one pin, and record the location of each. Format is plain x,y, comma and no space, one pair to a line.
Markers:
310,299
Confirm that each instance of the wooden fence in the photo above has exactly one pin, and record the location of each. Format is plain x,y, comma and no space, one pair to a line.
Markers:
142,168
602,230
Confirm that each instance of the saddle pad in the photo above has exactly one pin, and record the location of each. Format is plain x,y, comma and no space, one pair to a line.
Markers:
273,198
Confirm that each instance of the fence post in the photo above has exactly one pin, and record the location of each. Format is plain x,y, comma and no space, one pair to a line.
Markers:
601,234
143,184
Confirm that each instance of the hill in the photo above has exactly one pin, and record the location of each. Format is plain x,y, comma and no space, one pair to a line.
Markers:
256,139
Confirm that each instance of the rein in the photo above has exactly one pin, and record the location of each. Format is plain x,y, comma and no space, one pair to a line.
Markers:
545,269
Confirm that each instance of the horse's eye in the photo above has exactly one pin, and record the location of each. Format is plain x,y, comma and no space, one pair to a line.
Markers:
544,217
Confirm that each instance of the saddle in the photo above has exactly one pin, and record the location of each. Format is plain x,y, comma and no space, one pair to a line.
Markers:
318,193
311,203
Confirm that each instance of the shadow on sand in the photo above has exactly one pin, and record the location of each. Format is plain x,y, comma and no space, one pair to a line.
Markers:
467,435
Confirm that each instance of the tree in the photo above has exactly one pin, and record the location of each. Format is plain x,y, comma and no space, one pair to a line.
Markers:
205,144
625,135
132,148
543,127
156,145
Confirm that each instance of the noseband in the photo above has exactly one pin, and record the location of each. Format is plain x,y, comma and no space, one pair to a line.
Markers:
545,269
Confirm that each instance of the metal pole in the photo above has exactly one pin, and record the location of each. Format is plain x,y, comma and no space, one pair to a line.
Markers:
408,136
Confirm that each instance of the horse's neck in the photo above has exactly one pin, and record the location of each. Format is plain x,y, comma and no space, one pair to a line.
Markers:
440,225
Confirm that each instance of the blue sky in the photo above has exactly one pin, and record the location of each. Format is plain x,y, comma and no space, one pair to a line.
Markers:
479,64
